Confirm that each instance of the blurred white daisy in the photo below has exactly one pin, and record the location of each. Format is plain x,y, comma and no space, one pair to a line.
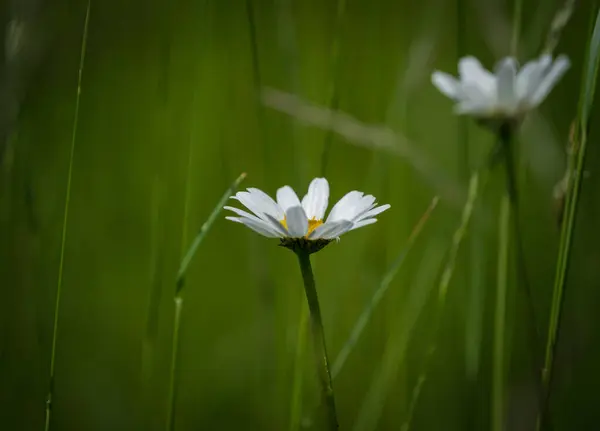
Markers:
508,93
303,224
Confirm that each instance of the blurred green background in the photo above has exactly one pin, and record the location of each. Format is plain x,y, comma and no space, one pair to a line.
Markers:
170,113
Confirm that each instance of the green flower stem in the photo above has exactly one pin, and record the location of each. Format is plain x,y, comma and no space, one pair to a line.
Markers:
500,315
318,335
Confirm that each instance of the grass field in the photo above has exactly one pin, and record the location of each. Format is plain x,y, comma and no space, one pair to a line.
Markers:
103,190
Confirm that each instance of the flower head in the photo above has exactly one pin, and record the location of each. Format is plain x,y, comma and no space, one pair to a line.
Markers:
506,94
302,224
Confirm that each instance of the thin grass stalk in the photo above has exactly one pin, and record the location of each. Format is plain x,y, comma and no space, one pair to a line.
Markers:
379,293
297,383
257,78
516,30
475,185
318,336
49,397
413,402
333,101
559,22
397,343
287,40
178,298
575,172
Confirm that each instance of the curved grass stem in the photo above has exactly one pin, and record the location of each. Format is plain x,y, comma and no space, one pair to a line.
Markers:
178,299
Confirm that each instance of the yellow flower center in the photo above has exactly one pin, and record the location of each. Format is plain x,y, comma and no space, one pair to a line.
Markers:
313,223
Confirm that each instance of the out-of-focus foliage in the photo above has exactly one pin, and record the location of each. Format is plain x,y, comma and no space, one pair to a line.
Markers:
171,110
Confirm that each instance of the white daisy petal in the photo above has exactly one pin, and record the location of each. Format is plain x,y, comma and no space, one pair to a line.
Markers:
474,95
341,228
252,202
267,203
316,200
287,218
542,65
372,213
447,84
471,71
360,207
474,109
329,230
345,206
242,213
367,202
506,94
260,226
560,66
506,76
297,223
278,226
287,198
364,223
524,78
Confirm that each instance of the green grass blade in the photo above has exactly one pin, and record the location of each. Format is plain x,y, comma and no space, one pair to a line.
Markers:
333,100
296,400
178,298
185,263
516,23
459,234
66,219
413,402
397,343
575,172
559,22
379,293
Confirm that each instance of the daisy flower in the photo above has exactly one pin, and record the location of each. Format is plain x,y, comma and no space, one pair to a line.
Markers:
302,224
508,93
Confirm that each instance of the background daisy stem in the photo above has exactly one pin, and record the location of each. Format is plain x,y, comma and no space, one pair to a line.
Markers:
318,335
500,315
576,168
178,298
506,206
